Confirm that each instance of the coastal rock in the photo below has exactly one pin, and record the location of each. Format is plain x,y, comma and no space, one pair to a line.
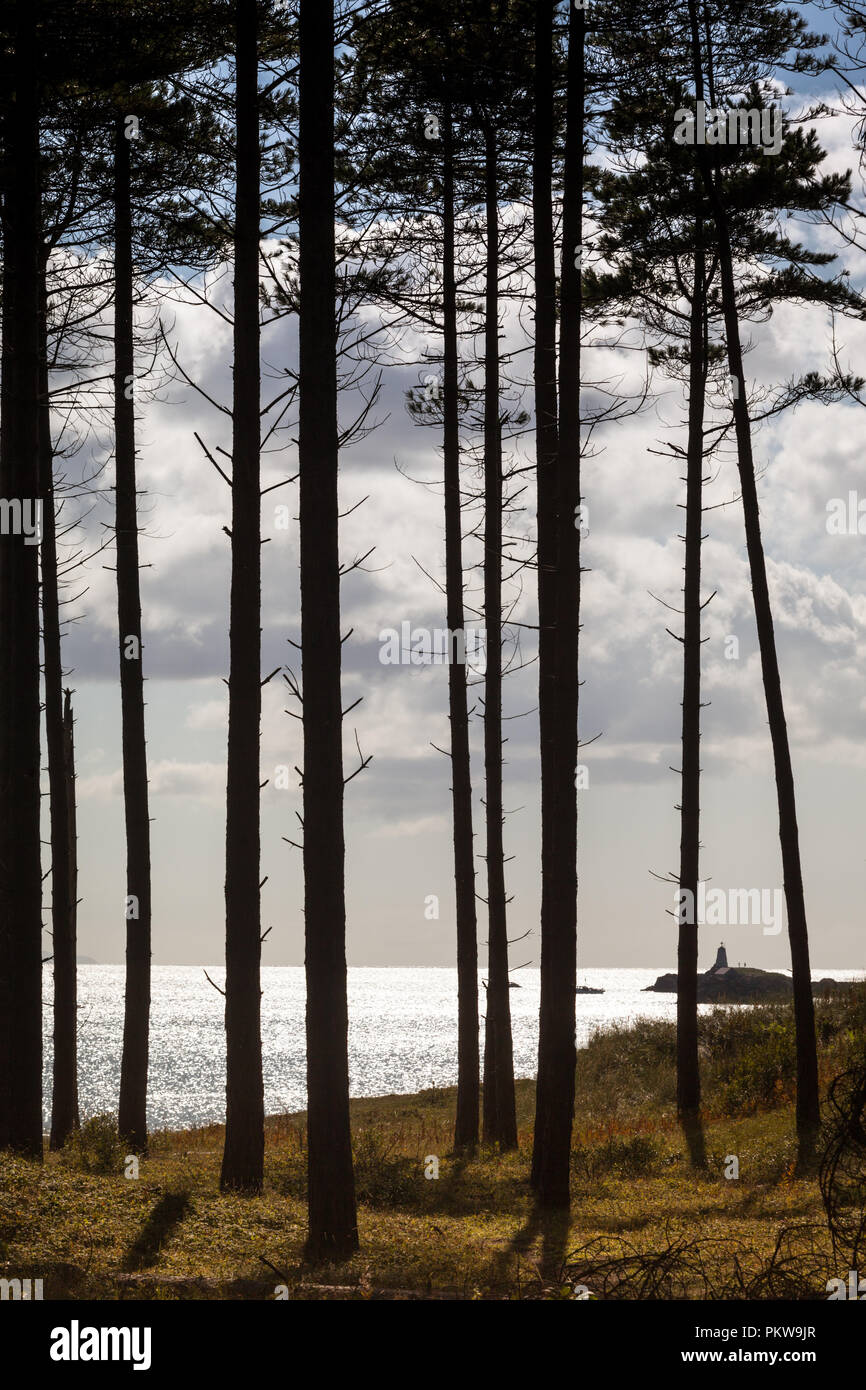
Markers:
741,984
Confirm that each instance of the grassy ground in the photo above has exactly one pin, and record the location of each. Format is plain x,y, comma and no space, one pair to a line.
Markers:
473,1232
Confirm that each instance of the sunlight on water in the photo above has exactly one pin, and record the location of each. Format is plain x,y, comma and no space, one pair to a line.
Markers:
402,1032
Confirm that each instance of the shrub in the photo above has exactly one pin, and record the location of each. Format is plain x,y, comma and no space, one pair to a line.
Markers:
96,1147
763,1074
384,1178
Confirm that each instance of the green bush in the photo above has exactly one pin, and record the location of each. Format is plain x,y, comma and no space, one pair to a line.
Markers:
763,1074
627,1068
747,1059
384,1178
96,1147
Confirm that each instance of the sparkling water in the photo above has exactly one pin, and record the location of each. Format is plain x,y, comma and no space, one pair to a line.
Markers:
402,1032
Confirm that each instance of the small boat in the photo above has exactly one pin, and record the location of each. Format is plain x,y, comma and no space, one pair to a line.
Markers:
588,989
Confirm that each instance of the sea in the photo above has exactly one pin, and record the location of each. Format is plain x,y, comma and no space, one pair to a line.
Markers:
402,1032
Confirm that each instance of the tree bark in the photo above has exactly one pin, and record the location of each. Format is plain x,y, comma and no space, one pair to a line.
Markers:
560,621
243,1154
132,1111
64,1102
468,1054
808,1100
70,992
499,1116
333,1226
808,1104
546,435
20,847
688,1070
7,396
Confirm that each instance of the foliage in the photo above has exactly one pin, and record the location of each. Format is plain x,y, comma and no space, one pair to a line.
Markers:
96,1147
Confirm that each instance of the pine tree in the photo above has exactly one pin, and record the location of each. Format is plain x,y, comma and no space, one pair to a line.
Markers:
498,43
420,61
661,223
243,1155
333,1227
58,732
20,847
652,220
558,450
499,1116
808,1102
132,1114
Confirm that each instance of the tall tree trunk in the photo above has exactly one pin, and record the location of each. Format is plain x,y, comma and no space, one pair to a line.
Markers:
546,435
20,846
64,1103
243,1155
688,1072
808,1102
468,1055
7,396
72,815
499,1119
132,1111
561,561
333,1225
808,1105
71,1068
72,853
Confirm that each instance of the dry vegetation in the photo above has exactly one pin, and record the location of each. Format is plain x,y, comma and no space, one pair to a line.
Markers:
642,1224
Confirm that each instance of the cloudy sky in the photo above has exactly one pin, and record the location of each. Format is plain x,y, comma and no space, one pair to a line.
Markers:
398,811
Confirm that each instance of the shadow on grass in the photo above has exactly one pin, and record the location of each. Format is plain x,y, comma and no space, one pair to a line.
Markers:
472,1185
552,1227
157,1229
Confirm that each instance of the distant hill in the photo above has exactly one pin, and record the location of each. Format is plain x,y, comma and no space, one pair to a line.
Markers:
85,960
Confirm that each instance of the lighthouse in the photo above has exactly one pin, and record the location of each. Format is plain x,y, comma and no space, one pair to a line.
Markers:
721,960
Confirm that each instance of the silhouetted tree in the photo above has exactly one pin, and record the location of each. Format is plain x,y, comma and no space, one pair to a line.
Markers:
558,449
333,1227
688,1066
500,1118
738,201
498,55
420,102
20,847
468,1060
61,783
808,1104
243,1156
132,1114
661,278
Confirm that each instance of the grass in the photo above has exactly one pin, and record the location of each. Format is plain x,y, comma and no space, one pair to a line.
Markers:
88,1231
